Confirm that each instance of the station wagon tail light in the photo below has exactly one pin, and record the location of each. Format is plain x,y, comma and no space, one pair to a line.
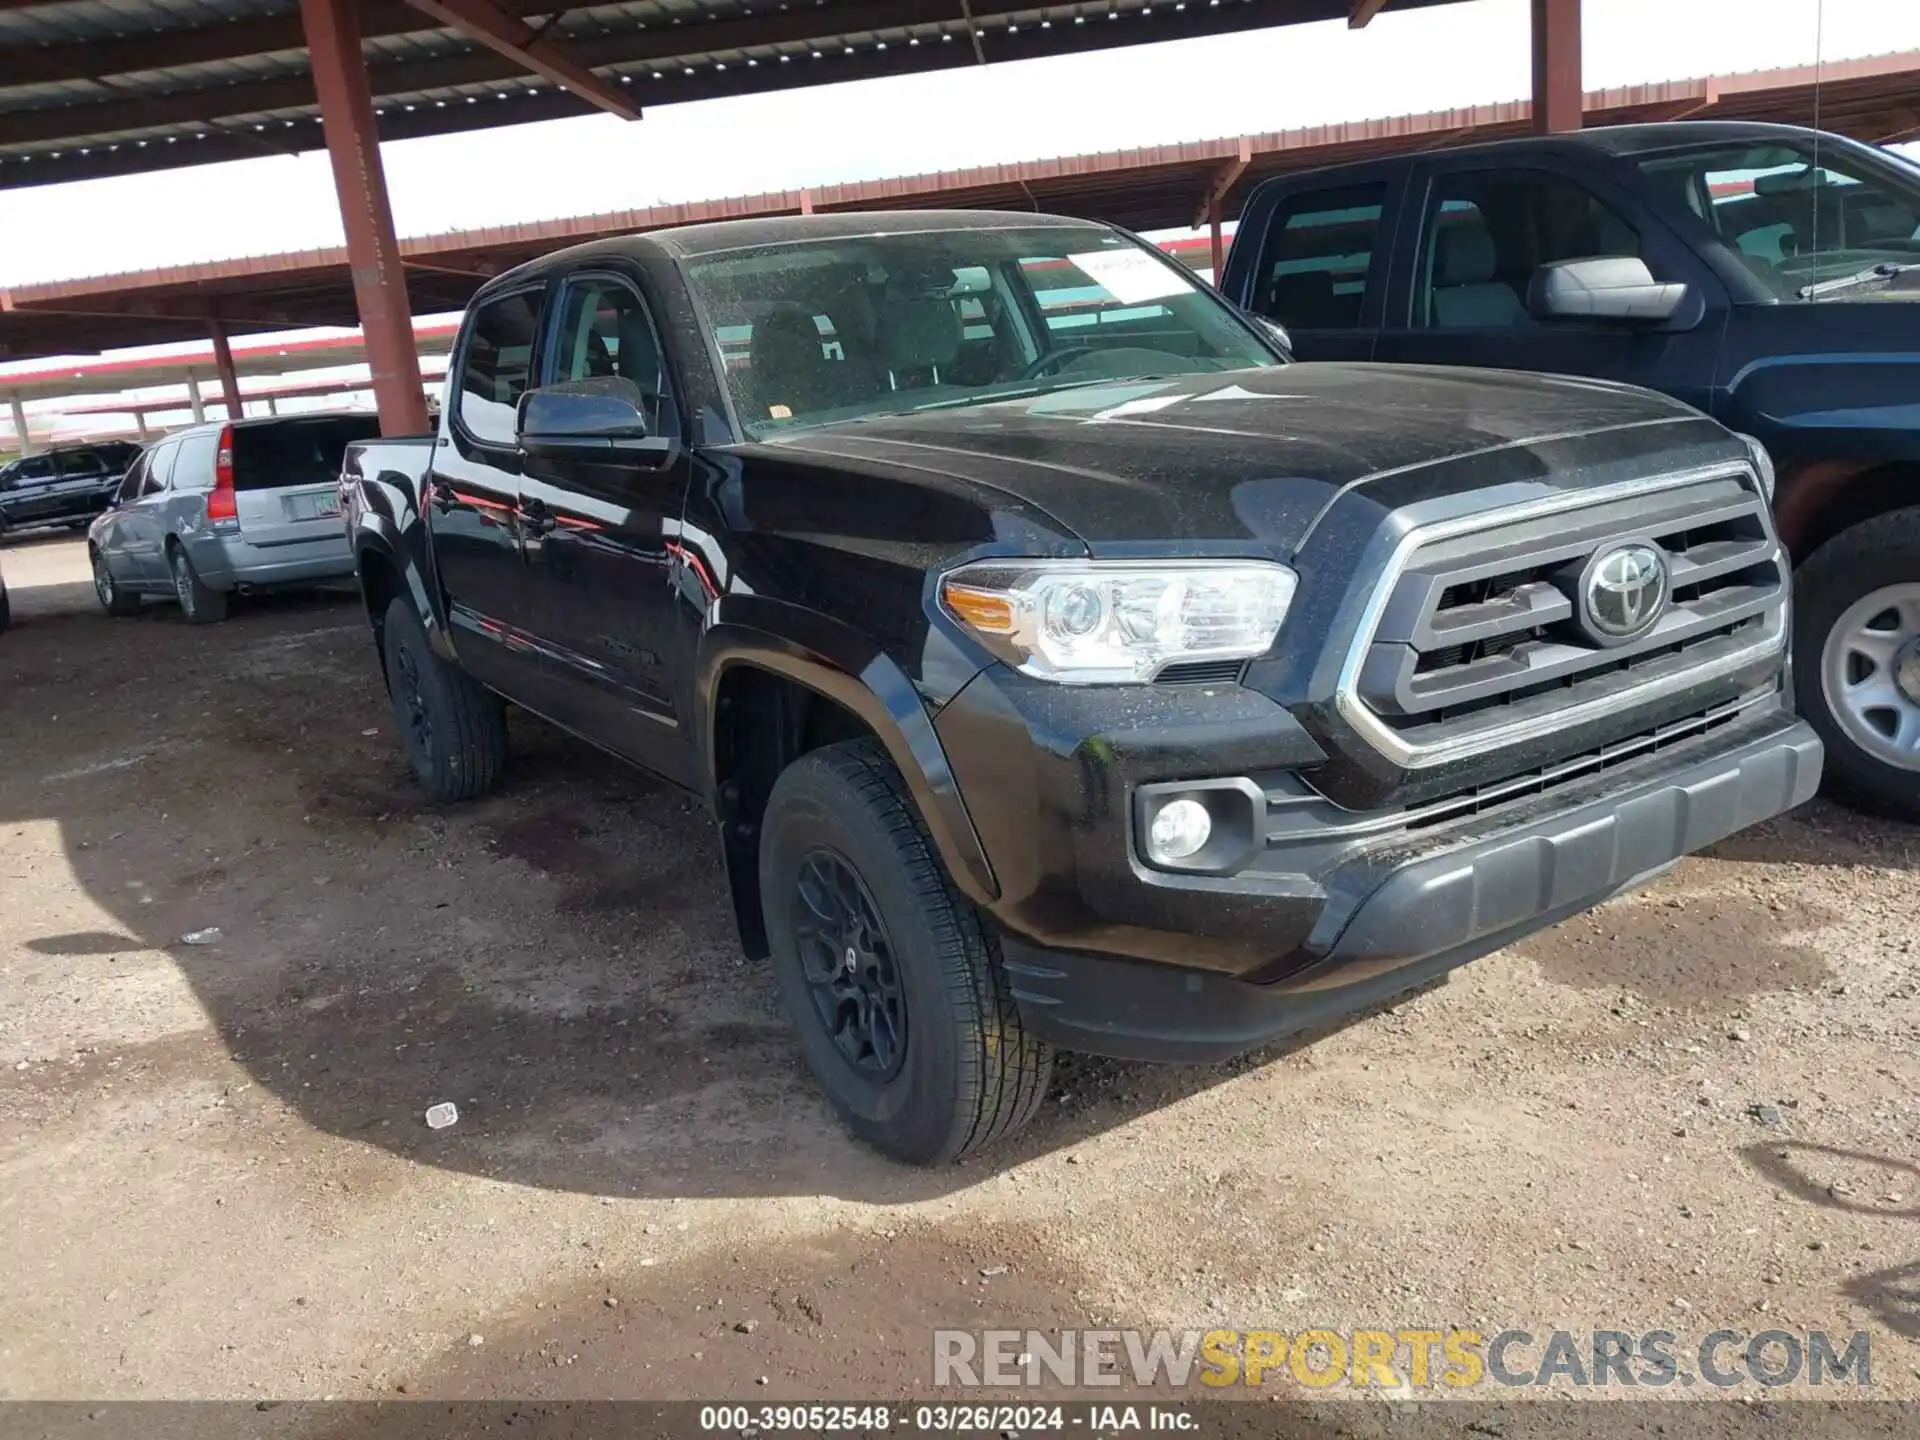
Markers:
1095,622
220,501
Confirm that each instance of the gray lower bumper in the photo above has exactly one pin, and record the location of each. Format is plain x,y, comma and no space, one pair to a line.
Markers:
1422,918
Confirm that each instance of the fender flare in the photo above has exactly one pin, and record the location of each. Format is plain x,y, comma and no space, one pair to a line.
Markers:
836,661
376,533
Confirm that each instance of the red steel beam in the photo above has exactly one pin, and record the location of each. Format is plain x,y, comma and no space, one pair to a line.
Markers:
223,363
1557,96
522,43
373,251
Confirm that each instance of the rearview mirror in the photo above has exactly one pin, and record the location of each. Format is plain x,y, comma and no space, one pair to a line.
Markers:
1610,287
604,418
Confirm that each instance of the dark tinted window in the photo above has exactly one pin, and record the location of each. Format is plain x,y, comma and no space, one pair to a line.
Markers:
160,467
604,331
295,452
1488,231
496,364
131,482
32,470
1318,258
80,464
117,455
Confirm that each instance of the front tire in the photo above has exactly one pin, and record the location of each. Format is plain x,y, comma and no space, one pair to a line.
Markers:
453,729
1857,660
890,978
201,605
113,599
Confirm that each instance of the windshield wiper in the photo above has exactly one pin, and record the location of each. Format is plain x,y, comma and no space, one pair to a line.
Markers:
1886,270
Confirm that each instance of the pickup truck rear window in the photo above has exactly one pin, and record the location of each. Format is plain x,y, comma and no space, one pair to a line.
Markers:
1318,257
296,452
861,325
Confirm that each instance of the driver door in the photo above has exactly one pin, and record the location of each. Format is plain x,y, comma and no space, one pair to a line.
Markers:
612,634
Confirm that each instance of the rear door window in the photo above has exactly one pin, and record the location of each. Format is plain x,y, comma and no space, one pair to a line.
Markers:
1317,271
131,482
193,470
160,468
81,465
288,453
497,365
34,470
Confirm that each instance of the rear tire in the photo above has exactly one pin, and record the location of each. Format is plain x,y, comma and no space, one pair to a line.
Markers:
934,1062
199,604
453,729
113,599
1857,660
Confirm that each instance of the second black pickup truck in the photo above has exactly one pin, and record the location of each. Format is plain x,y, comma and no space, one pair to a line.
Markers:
1767,274
1063,668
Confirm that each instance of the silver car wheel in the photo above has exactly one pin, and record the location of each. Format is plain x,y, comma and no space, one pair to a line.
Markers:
183,583
1870,674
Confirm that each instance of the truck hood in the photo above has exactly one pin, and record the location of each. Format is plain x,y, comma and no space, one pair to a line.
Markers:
1252,454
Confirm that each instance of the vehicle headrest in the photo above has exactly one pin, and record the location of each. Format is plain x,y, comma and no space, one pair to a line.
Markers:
918,333
784,337
1464,254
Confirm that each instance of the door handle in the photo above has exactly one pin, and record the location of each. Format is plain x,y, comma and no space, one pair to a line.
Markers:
535,518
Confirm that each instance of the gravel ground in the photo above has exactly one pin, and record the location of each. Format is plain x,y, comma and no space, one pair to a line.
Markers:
1698,1107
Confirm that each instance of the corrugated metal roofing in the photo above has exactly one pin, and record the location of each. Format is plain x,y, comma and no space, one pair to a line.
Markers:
103,87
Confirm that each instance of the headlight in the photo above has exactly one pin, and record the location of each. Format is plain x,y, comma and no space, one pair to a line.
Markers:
1096,622
1762,465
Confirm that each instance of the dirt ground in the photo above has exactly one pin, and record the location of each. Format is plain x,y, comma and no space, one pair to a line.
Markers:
1699,1107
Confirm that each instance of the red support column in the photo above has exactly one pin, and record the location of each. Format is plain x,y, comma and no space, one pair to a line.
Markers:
379,281
1219,245
223,362
1557,90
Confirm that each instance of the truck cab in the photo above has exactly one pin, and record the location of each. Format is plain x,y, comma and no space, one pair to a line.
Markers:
1764,274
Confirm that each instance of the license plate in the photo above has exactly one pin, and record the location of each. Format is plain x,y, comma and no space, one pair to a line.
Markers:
312,507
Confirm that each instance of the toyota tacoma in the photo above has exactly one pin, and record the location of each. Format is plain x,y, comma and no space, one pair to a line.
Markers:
1062,667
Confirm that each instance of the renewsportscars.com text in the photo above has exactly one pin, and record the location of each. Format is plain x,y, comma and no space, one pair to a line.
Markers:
1409,1358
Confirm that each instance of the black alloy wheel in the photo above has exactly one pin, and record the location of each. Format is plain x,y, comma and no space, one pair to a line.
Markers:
849,966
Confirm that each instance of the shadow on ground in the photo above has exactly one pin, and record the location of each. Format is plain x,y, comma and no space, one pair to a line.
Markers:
558,960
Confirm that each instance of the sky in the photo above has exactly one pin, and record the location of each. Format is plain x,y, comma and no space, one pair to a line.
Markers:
1454,55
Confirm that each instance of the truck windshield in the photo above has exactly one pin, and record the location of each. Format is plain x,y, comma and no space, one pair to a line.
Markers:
1843,229
853,326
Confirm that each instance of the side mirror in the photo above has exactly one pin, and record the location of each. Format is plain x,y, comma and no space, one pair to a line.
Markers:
1610,287
601,419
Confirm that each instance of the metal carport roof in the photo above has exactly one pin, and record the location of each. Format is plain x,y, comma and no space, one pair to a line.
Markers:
1157,187
108,87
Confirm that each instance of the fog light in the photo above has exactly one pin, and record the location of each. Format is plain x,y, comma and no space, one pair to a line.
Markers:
1180,830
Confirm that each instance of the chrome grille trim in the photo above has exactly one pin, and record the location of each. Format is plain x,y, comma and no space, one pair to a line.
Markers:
1763,635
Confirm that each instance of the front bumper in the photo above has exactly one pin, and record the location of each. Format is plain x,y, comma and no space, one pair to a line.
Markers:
1391,917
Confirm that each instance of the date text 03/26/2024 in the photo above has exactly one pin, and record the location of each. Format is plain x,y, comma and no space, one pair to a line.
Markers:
965,1419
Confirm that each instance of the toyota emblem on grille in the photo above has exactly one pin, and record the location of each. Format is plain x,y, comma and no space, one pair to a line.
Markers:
1623,593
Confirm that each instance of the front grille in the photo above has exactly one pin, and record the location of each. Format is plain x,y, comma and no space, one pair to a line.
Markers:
1479,639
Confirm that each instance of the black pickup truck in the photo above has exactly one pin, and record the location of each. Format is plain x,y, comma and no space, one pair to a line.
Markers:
1764,273
67,486
1062,667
